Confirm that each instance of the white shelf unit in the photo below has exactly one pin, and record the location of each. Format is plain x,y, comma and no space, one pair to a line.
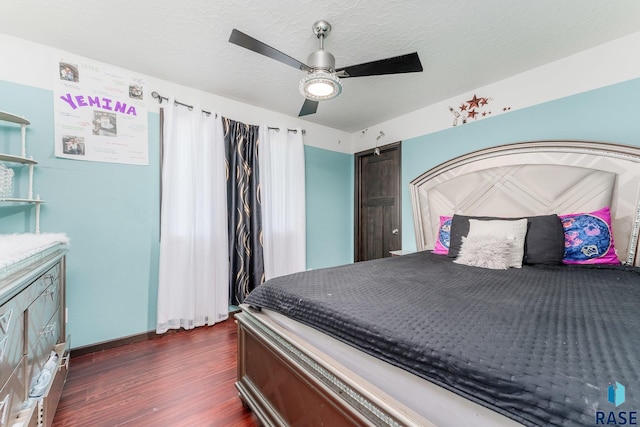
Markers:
22,159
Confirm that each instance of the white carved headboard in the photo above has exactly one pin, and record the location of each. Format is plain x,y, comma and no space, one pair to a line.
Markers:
535,178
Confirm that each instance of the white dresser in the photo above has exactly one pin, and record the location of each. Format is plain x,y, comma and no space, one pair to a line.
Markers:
33,344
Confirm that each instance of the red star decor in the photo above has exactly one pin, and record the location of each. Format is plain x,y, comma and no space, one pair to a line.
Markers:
475,102
474,108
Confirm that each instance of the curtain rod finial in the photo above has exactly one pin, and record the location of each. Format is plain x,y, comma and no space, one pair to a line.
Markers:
157,96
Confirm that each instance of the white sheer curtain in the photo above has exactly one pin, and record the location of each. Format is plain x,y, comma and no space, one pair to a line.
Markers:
193,279
281,158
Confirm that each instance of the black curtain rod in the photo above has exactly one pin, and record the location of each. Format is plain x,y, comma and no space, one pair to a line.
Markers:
304,132
161,98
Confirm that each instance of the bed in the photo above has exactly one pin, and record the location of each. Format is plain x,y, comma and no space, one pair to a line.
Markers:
421,340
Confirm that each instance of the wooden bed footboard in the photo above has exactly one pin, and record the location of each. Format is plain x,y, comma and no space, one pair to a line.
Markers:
287,382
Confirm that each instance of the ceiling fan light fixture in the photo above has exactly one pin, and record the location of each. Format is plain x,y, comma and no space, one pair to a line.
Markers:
320,85
321,81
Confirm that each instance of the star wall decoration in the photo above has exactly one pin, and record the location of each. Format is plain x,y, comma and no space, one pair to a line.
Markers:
476,107
475,102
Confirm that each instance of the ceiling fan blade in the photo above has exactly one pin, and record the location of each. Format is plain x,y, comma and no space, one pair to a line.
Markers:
248,42
309,107
409,63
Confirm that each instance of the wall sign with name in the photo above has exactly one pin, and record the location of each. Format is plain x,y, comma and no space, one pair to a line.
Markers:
100,113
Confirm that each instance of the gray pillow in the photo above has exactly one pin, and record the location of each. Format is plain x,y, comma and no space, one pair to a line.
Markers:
544,243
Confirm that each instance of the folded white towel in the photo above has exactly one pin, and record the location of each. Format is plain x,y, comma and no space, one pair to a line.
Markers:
41,384
51,362
43,380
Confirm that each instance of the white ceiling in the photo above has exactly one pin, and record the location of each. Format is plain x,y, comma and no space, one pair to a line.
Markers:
463,45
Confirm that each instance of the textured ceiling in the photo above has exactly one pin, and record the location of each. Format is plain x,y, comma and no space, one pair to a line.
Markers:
463,45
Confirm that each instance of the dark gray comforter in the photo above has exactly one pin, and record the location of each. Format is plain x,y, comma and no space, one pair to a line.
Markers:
539,344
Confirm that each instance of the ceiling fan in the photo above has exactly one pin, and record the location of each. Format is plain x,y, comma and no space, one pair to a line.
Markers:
322,81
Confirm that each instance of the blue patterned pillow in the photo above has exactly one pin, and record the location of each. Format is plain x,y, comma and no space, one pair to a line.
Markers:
588,238
444,236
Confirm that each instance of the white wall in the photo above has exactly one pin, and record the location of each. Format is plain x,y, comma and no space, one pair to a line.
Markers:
601,66
34,65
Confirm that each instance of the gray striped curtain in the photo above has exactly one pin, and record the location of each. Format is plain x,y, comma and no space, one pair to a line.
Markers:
246,264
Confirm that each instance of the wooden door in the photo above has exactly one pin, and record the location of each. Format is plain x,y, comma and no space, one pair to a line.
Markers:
377,210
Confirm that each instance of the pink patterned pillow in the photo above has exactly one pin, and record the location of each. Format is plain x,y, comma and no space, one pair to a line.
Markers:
444,236
588,238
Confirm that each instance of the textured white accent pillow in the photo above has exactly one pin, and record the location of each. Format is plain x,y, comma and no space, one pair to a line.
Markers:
516,230
486,251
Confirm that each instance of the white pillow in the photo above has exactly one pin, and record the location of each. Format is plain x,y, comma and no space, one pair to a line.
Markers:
486,251
516,230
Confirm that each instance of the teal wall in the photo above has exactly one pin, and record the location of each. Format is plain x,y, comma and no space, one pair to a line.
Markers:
111,213
607,114
329,178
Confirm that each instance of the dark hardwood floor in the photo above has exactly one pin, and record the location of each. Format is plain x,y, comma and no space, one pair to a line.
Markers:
182,378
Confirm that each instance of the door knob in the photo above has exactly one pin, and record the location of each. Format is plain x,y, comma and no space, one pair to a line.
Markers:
394,231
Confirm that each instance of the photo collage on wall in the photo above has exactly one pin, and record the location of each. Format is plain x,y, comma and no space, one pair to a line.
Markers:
100,113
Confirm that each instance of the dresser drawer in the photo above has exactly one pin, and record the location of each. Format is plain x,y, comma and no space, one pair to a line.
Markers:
47,279
12,396
47,406
11,337
41,311
41,350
